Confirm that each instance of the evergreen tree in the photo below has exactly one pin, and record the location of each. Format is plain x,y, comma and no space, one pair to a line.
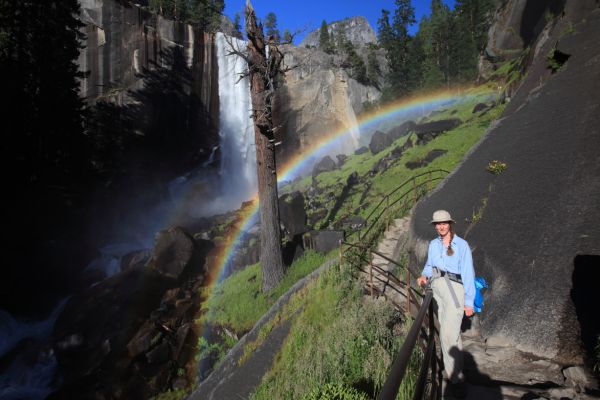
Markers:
287,36
206,14
353,61
416,59
237,24
271,30
325,41
46,152
373,69
395,39
264,73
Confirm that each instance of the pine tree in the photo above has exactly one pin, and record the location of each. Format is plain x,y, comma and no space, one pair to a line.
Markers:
373,69
271,30
287,36
325,40
206,14
264,74
236,23
395,39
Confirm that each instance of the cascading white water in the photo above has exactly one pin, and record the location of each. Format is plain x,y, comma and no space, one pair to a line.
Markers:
29,375
238,155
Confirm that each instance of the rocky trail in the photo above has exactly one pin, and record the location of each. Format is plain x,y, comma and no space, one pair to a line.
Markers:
494,368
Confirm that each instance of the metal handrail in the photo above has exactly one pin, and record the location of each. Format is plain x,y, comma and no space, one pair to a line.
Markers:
404,195
398,370
389,275
394,379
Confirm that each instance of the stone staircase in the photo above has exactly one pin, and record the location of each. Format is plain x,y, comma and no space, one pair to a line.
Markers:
494,368
393,246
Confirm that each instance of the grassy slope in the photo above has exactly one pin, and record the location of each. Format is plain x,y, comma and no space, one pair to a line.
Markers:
337,336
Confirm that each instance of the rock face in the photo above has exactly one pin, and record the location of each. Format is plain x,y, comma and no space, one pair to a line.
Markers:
124,42
317,100
533,241
122,337
356,29
518,23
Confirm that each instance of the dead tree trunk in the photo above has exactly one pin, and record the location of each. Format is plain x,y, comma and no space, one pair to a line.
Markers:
263,73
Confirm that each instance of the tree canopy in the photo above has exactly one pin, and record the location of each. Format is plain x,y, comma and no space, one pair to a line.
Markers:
444,51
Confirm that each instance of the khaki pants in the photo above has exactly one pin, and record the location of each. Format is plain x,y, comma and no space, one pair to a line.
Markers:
450,318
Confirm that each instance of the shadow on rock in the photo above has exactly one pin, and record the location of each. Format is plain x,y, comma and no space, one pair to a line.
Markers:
479,385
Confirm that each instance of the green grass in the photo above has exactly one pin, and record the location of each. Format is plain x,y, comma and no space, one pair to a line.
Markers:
340,341
338,337
456,142
238,301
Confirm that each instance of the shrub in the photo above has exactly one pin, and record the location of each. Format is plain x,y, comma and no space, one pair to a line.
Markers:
496,167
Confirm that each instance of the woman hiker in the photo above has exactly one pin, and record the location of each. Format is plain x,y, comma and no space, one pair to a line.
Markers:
449,269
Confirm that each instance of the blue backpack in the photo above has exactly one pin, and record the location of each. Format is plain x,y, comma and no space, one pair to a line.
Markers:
480,283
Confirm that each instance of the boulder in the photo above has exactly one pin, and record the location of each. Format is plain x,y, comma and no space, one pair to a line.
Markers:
292,214
436,127
480,107
341,159
379,142
361,150
326,164
323,241
173,252
351,223
402,129
96,325
432,155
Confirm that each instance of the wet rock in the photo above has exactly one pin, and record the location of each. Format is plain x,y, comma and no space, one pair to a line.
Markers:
480,107
361,150
135,259
341,159
379,142
112,310
401,130
292,214
172,253
326,164
436,127
323,241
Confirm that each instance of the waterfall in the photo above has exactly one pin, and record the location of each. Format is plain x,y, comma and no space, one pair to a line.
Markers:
236,132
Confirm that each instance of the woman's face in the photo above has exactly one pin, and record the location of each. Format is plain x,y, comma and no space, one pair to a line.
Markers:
442,228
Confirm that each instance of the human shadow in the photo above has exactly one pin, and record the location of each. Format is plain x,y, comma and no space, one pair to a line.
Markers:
478,385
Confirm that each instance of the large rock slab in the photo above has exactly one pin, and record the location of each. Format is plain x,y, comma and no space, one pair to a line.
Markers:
538,211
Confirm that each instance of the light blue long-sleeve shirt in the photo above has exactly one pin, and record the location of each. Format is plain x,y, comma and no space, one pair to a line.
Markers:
461,262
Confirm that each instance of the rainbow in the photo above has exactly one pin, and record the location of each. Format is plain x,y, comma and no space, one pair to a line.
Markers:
294,166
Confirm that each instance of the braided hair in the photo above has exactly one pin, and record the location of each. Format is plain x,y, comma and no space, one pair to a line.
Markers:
450,250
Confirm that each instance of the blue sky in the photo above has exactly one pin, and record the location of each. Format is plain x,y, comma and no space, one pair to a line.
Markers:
308,14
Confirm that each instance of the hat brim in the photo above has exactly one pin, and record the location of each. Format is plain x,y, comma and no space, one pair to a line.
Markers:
446,220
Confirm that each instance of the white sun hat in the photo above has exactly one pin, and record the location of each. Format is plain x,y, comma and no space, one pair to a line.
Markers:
441,216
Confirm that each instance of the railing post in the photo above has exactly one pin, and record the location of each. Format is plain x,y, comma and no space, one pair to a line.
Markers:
407,290
387,211
434,383
414,190
371,273
341,254
430,179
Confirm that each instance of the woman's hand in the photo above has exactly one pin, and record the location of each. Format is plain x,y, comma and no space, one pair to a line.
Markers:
422,280
469,311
